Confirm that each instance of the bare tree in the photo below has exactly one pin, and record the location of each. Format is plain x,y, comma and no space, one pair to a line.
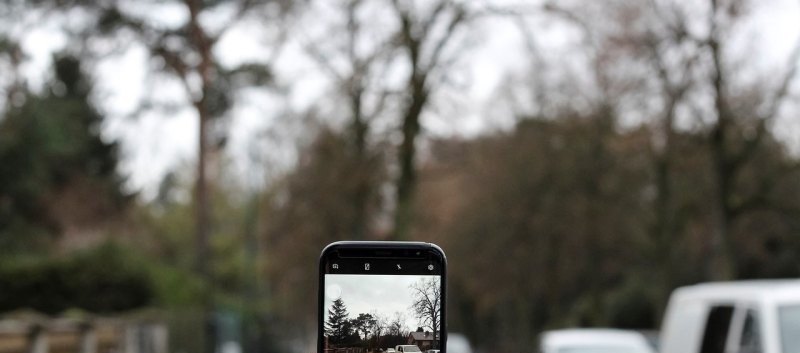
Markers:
396,327
359,83
668,82
421,36
424,39
427,306
687,64
380,327
729,147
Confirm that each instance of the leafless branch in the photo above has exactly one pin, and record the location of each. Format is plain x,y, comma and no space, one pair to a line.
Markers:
434,17
783,88
455,22
322,60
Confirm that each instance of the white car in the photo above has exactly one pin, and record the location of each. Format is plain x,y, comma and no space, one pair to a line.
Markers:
407,348
594,341
733,317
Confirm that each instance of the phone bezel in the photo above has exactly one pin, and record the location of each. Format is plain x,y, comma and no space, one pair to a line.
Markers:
384,250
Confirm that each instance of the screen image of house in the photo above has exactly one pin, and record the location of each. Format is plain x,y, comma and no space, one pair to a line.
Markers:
423,339
376,313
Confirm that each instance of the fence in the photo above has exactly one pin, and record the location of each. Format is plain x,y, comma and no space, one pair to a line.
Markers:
82,336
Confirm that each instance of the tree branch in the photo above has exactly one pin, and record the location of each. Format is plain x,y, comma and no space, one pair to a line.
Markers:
783,89
458,18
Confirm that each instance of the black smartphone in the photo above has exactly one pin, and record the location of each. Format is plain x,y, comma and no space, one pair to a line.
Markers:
382,297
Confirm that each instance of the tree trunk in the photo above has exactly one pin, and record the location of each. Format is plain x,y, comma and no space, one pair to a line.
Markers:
360,129
720,264
202,211
406,183
665,219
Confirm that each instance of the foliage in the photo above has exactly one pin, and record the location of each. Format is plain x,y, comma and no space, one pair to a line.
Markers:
337,327
561,211
102,280
163,226
377,331
567,218
311,208
363,324
56,171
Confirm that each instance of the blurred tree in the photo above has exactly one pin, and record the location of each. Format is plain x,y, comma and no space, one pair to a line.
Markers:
652,36
686,50
11,58
675,57
164,221
357,58
742,119
309,208
561,211
666,34
236,269
425,36
362,49
568,202
186,52
58,177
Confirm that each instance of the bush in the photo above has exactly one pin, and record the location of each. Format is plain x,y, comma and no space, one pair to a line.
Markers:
102,280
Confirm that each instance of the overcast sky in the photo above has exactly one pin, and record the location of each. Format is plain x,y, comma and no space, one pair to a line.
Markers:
384,294
157,142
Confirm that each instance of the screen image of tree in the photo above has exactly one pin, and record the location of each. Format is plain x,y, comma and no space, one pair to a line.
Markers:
371,313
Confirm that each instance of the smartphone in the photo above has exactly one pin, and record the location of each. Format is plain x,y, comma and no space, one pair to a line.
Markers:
382,297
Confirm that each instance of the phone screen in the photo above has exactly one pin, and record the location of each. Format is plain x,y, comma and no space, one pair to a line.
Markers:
383,300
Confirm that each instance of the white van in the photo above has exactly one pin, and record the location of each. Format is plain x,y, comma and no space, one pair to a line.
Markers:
733,317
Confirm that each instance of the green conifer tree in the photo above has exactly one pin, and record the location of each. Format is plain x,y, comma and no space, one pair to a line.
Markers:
55,168
337,327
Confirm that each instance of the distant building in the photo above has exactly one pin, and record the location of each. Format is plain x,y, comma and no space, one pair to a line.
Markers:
423,340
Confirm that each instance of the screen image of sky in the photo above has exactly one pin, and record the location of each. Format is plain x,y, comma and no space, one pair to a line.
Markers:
381,294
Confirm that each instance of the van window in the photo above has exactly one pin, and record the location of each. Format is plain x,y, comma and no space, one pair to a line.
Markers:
751,337
716,330
789,317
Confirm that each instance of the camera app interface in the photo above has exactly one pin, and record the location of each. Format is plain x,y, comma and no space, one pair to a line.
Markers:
382,307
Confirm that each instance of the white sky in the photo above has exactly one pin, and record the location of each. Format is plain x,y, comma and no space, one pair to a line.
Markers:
383,294
157,141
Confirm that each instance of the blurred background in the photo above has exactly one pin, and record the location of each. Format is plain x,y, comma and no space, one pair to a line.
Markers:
174,167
